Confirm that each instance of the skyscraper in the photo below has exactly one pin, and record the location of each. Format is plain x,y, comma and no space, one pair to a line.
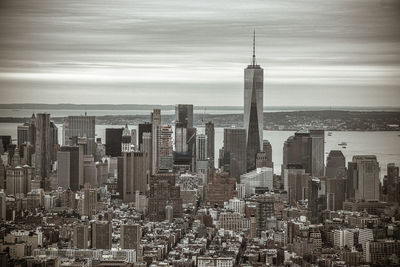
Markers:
368,183
143,128
101,235
184,114
42,145
126,141
135,175
166,161
70,168
155,134
114,141
80,126
305,148
235,152
130,236
253,109
210,133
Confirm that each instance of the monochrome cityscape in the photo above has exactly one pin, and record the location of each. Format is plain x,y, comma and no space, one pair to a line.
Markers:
193,185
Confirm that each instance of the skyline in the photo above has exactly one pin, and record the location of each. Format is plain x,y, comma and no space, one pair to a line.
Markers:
339,53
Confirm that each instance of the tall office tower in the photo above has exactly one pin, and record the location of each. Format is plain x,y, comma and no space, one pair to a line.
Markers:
314,186
130,236
163,191
134,139
335,192
202,160
22,135
69,168
335,164
267,148
143,128
306,148
166,148
335,173
101,235
126,141
3,198
184,114
155,134
391,184
253,109
2,174
53,137
19,180
351,184
101,172
89,170
368,183
235,152
181,145
5,141
295,183
135,175
114,141
89,201
81,236
42,146
147,149
80,126
210,133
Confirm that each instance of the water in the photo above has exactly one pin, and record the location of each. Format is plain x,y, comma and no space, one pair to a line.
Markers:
385,145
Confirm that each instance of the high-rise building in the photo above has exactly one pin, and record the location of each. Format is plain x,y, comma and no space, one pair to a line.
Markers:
135,175
22,135
184,114
155,134
3,198
80,126
114,141
81,236
163,191
220,189
130,236
19,180
306,148
295,182
391,184
2,174
253,110
166,148
143,128
134,139
126,141
42,145
235,151
181,145
267,148
335,172
89,201
101,235
368,183
202,161
210,133
68,168
351,183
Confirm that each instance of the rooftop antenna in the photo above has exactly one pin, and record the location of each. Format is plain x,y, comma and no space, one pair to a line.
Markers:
254,47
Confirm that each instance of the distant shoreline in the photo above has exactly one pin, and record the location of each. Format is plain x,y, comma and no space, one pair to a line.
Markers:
330,120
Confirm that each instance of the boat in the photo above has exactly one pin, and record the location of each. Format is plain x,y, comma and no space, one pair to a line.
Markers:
329,134
344,147
342,144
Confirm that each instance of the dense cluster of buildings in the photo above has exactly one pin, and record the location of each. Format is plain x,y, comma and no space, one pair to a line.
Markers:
153,196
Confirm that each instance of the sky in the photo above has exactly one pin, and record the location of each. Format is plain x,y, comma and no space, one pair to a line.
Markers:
314,53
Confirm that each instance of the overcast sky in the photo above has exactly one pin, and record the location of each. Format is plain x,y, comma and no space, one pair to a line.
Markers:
315,53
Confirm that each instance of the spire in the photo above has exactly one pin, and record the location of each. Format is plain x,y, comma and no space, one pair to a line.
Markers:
254,47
